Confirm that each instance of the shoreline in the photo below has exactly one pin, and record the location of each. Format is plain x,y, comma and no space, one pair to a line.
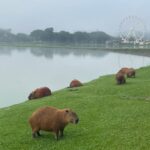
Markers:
72,46
65,88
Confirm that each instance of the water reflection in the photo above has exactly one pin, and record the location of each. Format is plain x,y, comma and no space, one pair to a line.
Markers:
7,50
50,52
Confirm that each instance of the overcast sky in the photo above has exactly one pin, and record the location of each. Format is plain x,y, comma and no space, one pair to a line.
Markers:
70,15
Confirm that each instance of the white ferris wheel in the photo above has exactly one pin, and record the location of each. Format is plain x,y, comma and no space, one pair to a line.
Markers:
132,30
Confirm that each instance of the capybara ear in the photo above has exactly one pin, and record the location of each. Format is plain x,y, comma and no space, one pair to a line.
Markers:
67,110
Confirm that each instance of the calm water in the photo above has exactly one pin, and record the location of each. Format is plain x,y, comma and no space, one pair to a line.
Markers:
23,70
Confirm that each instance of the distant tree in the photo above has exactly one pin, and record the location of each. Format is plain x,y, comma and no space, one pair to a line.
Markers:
99,37
37,35
48,34
21,37
6,35
81,37
63,37
49,30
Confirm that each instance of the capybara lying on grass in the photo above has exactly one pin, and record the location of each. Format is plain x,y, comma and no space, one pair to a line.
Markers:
129,72
52,119
75,83
40,92
120,78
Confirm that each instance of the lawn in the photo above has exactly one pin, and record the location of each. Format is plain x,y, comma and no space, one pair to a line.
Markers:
112,117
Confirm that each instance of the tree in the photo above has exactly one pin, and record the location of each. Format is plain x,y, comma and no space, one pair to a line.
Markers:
21,37
37,35
48,34
63,37
6,35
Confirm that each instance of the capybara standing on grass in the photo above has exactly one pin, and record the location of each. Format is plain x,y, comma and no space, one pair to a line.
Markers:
120,78
75,83
40,92
52,119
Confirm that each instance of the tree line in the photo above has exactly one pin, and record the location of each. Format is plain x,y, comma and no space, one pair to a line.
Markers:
49,35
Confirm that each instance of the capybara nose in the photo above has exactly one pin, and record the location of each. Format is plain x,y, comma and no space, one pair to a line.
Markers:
77,120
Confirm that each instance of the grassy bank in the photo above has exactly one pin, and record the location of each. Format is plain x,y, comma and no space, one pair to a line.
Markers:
112,117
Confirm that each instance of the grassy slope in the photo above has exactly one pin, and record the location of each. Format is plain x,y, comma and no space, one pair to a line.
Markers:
111,117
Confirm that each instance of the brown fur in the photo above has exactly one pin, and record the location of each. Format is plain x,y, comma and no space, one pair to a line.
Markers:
120,78
51,119
124,70
129,72
75,83
39,92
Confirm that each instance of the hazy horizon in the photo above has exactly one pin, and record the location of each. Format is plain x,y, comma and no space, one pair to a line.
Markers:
80,15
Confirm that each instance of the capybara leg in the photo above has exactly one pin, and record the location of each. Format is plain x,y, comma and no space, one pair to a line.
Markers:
124,81
38,133
61,132
57,135
34,132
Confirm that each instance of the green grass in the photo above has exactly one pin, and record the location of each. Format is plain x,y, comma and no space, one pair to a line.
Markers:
112,117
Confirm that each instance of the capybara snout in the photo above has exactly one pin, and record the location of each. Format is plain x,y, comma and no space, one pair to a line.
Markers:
77,120
72,116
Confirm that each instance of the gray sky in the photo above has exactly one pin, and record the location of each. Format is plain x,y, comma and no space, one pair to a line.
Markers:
70,15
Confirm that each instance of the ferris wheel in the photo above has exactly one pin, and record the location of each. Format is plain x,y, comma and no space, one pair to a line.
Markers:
132,29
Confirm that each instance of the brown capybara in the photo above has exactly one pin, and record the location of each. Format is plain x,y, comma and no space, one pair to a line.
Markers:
39,92
120,78
131,73
75,83
124,70
51,119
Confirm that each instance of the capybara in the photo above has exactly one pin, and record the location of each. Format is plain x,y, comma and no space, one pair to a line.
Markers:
124,70
75,83
120,78
131,73
39,92
52,119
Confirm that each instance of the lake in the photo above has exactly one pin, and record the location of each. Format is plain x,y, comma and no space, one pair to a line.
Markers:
25,69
